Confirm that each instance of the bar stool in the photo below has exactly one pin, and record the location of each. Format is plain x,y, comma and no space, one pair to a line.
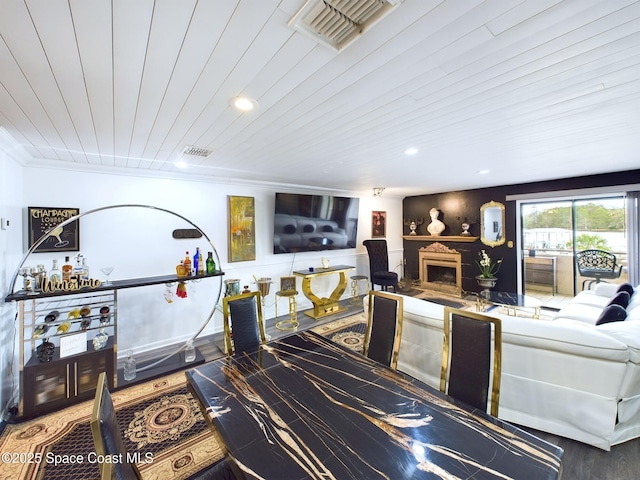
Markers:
288,290
355,288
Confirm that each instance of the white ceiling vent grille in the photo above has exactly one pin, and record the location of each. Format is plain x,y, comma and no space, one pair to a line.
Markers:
336,23
197,151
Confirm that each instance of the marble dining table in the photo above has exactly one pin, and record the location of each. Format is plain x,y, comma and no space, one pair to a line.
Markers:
304,407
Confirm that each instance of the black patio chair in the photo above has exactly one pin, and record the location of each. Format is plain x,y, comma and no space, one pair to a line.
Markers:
596,265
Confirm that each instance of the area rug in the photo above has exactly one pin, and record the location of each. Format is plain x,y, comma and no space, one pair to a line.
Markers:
348,331
161,422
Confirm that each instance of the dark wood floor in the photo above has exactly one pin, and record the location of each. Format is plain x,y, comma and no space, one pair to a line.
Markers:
584,462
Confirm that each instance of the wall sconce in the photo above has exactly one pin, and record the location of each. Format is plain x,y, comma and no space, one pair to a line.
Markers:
377,191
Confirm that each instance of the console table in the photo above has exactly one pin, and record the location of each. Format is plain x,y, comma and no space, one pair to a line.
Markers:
541,271
324,306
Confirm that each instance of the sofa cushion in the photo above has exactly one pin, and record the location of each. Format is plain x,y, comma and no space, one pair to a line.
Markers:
612,313
626,287
621,298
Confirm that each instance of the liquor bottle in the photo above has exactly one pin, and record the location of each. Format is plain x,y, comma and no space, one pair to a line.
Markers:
187,264
201,264
100,340
55,274
77,268
196,261
129,367
67,270
211,265
189,352
85,269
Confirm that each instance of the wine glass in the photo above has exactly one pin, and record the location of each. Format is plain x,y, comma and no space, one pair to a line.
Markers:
107,271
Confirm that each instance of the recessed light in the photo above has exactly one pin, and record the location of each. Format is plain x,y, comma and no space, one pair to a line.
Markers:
244,104
483,172
181,164
411,151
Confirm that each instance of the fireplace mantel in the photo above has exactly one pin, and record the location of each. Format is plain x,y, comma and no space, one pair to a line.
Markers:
443,238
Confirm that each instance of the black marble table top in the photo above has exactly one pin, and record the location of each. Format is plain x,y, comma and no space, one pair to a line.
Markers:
511,299
304,407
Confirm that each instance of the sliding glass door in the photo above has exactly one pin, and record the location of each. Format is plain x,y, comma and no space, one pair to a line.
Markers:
552,232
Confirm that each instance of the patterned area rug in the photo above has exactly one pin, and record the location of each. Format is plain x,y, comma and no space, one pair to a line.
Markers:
348,331
161,422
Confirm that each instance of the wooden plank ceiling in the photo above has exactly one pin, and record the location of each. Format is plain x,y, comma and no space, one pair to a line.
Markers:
527,89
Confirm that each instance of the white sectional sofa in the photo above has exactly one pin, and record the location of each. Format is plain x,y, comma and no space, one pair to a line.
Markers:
565,376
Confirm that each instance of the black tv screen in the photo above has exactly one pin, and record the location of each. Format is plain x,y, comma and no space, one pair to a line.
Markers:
304,223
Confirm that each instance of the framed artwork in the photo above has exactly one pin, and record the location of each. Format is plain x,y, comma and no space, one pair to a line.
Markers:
378,224
287,284
41,220
242,231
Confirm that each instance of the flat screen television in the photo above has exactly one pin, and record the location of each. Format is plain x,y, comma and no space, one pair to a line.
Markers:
304,223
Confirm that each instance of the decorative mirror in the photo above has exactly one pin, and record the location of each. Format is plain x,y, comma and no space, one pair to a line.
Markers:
492,224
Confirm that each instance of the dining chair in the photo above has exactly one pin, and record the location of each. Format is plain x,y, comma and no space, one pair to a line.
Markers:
384,328
379,265
596,265
244,322
107,436
471,361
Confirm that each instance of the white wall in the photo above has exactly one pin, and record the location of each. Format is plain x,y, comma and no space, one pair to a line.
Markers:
138,243
11,203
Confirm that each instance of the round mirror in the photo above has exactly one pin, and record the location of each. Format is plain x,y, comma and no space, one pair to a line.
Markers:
492,224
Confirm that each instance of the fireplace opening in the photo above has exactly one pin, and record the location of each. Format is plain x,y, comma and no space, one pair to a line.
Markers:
441,269
442,275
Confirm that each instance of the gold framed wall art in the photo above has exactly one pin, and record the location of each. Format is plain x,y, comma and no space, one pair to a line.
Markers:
378,224
242,231
41,220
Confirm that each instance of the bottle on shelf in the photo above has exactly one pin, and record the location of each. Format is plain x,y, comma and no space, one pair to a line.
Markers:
63,328
40,330
85,269
100,340
67,270
196,261
129,367
202,267
211,264
189,352
55,274
77,268
186,263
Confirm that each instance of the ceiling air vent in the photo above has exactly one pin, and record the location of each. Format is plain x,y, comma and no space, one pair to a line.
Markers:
336,23
197,151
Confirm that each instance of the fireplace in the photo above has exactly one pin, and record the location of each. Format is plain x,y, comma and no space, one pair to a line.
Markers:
440,269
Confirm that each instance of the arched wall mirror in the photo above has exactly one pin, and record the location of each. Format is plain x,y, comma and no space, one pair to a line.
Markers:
492,224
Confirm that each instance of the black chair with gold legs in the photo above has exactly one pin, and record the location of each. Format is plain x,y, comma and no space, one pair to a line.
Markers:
468,354
243,316
384,328
107,436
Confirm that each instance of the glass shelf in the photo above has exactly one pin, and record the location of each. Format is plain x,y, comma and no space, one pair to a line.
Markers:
113,285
